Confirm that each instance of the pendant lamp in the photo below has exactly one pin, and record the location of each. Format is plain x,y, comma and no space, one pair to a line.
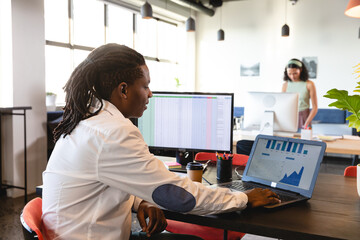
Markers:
285,30
190,24
353,9
146,11
220,35
220,32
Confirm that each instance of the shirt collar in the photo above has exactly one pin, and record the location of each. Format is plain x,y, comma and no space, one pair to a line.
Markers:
107,107
110,108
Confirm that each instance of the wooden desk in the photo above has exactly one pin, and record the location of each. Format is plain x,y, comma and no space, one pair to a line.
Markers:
343,146
332,213
340,146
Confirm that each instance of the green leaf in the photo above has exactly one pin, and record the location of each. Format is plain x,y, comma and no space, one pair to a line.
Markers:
178,84
357,88
354,122
346,102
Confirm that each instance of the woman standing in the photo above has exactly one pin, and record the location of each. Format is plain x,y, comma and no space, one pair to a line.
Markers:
296,80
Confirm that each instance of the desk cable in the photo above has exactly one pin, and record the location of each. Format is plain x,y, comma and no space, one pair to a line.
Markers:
237,173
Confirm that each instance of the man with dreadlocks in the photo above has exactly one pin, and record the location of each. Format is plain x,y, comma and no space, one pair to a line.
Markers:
101,168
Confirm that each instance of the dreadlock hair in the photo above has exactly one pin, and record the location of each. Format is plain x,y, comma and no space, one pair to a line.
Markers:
304,74
94,79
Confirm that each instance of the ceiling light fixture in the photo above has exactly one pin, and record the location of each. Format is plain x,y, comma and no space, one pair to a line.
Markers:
190,24
285,30
146,11
353,9
220,32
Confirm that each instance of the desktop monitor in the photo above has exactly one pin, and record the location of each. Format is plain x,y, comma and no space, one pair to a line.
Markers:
271,111
188,121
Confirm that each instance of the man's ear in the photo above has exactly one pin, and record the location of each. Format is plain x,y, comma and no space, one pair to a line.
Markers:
122,90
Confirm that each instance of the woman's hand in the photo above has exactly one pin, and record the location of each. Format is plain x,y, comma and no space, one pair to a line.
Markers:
258,197
157,221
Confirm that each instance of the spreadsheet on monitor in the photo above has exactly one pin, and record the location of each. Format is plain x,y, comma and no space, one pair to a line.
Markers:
192,121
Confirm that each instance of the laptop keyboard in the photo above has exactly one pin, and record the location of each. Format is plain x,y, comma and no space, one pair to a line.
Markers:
241,187
238,186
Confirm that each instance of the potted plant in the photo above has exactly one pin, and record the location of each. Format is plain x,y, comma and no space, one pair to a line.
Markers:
50,101
351,103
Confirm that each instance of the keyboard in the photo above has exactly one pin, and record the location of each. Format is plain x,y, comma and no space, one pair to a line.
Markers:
242,186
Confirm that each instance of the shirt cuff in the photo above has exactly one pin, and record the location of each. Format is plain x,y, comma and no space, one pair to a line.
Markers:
136,203
242,199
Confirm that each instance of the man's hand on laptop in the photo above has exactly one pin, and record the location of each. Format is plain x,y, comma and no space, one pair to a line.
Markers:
258,197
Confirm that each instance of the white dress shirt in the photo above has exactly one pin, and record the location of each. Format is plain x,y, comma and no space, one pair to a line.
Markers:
103,169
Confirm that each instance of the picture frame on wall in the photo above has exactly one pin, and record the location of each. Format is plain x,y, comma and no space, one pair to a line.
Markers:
250,69
311,64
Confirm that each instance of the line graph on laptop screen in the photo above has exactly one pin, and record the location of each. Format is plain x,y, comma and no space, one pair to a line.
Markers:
284,162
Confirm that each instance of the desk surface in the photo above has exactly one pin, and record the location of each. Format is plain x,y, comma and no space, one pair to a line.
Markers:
2,108
341,146
332,213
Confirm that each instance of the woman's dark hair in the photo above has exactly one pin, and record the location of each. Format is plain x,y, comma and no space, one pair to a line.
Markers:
296,63
94,79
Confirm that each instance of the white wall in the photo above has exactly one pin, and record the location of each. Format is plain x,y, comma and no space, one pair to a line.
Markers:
5,54
253,34
27,89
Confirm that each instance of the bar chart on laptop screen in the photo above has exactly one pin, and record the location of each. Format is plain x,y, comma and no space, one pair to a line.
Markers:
285,162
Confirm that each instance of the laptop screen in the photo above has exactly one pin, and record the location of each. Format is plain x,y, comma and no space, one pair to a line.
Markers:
285,163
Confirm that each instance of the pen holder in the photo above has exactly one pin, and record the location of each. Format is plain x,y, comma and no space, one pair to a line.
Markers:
224,169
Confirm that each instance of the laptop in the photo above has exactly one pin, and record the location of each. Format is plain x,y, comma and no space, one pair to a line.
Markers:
287,166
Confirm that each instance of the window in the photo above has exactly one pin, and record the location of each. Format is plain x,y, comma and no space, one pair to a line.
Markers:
58,69
120,26
146,36
72,32
168,41
56,20
88,18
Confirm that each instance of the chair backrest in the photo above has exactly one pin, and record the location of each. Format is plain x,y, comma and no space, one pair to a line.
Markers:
238,159
350,171
31,221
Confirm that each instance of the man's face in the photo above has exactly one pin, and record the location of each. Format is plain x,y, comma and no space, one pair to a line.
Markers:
139,94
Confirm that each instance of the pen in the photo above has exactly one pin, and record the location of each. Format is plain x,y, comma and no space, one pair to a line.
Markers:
205,165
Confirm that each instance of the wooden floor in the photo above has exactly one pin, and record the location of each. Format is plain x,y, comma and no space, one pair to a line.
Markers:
10,208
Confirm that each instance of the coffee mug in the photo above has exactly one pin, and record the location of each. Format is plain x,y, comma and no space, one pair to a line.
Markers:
306,134
195,171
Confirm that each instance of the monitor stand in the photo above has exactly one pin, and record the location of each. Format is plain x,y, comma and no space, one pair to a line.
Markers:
267,123
184,157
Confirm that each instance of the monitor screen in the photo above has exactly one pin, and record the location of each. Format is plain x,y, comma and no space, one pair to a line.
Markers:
283,105
189,121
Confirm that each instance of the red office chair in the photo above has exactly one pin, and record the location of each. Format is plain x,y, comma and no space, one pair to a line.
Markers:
208,233
31,219
350,171
238,159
